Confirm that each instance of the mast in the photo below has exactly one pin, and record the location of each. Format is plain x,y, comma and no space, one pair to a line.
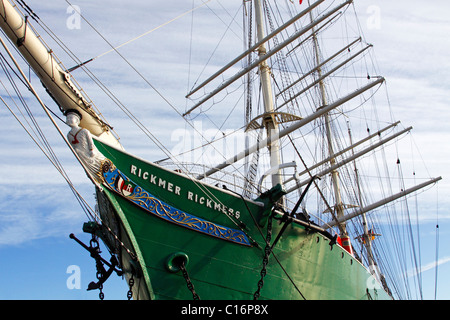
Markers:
366,238
339,206
268,122
295,126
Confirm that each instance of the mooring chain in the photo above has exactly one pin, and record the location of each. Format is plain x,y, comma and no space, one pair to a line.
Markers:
101,295
267,252
188,281
130,285
98,264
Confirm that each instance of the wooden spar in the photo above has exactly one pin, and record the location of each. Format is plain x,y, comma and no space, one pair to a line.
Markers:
265,57
254,47
57,81
380,203
318,164
33,91
347,47
324,76
321,111
351,158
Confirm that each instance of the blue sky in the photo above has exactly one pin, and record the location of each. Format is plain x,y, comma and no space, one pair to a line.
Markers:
38,211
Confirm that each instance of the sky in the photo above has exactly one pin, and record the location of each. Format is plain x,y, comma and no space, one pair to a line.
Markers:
38,210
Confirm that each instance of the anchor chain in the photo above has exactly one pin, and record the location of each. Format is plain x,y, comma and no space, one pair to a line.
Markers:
130,285
101,295
188,281
99,266
267,251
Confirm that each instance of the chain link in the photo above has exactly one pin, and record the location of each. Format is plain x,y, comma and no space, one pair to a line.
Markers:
96,246
267,252
130,291
188,282
101,295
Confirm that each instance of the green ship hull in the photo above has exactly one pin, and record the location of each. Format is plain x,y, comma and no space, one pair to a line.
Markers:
176,236
304,263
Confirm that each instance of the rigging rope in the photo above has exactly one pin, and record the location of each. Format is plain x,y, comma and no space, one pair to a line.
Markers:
37,134
437,246
150,135
51,156
150,31
138,123
39,138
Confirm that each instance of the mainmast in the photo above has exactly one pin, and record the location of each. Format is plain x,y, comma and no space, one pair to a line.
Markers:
270,124
339,206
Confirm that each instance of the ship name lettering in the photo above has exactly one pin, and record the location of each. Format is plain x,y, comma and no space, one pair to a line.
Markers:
212,204
169,186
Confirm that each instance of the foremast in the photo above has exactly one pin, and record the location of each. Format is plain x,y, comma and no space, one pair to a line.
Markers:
269,123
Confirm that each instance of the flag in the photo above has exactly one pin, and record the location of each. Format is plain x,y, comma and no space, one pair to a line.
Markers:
125,187
300,1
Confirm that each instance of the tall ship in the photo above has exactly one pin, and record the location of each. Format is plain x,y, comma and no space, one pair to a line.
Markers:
287,199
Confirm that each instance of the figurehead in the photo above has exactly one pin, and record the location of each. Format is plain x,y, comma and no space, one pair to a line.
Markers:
81,141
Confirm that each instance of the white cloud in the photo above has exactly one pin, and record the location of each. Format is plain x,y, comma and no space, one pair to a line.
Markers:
37,211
